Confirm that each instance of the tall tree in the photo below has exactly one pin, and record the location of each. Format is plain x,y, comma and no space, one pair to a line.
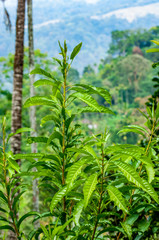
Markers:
7,20
17,83
18,76
32,93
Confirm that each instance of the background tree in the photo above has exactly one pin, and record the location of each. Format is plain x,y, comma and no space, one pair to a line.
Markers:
17,83
7,20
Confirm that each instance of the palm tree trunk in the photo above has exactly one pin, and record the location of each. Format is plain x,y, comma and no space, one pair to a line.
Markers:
18,77
17,84
32,108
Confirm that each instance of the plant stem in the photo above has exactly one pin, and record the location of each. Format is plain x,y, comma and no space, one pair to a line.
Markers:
63,131
6,184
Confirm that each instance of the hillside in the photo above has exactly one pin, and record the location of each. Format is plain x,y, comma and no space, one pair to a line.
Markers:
88,21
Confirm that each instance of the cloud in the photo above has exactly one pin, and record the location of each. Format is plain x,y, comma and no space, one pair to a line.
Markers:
54,21
130,14
87,1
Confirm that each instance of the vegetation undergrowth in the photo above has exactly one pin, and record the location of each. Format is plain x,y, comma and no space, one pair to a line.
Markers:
92,190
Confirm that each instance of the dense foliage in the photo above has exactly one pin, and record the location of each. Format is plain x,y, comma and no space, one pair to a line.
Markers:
89,188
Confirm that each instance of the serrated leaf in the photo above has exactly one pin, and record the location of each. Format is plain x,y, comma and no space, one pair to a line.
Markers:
58,197
94,110
75,51
77,211
157,111
129,172
147,187
42,72
150,172
126,130
143,225
127,228
39,101
37,139
89,188
74,171
117,198
90,101
132,218
13,164
28,155
137,128
96,90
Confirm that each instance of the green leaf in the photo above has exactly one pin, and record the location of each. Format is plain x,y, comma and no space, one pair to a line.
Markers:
49,118
3,197
94,110
157,111
138,129
143,225
96,90
3,210
17,199
58,61
127,228
55,135
154,41
132,176
149,111
20,130
132,218
39,101
77,211
75,51
46,233
150,172
37,139
117,198
28,155
42,72
129,172
74,171
126,130
42,82
13,164
58,197
147,187
152,50
4,219
90,101
89,188
7,227
29,214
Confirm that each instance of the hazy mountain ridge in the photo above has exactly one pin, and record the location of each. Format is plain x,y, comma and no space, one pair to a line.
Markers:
56,20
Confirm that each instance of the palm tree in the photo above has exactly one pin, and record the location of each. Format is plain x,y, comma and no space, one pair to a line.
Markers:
32,108
7,20
18,76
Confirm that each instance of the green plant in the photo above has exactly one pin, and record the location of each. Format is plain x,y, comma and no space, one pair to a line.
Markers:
90,185
11,188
